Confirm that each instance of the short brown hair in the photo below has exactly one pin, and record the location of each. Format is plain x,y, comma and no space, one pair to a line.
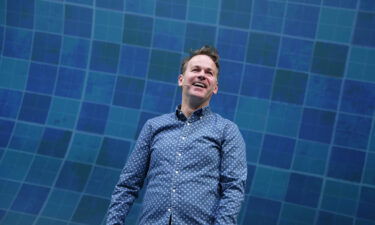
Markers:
205,50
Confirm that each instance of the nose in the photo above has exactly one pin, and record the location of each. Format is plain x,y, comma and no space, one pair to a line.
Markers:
201,76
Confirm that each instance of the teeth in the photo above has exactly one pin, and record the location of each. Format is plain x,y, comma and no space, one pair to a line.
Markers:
199,85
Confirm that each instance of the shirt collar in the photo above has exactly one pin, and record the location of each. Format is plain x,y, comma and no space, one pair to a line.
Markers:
199,113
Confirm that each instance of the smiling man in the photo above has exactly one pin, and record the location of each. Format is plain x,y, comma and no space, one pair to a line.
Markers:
193,159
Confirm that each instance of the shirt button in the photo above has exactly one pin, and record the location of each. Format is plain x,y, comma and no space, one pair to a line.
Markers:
169,210
173,190
188,124
183,138
176,171
179,154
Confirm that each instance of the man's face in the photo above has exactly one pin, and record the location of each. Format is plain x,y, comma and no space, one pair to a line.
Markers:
199,81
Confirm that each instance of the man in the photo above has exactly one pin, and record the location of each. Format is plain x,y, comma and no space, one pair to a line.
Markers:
194,160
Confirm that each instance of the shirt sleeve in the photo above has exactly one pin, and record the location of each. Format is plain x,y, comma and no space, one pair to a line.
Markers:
131,178
233,174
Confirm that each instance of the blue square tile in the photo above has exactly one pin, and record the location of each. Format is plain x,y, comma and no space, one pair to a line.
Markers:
63,112
73,176
277,151
304,190
358,97
2,33
18,218
224,104
295,54
157,97
369,172
46,48
13,73
349,4
30,199
70,83
17,43
102,181
15,165
262,49
312,2
253,142
249,179
26,137
232,44
110,4
143,7
113,153
236,13
43,170
203,11
99,87
251,113
104,56
10,102
20,13
84,2
268,15
90,210
75,52
49,16
164,66
367,5
78,21
61,204
323,92
42,78
296,215
93,118
364,222
169,35
6,128
257,81
34,108
129,92
231,80
366,207
48,221
138,30
54,142
317,125
284,119
122,122
301,20
108,25
346,164
352,131
84,148
198,35
310,157
175,9
262,211
328,218
361,64
9,190
134,61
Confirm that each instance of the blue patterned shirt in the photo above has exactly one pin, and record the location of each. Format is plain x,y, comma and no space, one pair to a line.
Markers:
196,171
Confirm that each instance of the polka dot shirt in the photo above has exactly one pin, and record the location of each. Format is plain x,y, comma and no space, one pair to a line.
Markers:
196,171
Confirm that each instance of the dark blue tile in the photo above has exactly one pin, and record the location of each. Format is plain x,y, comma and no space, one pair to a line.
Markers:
91,210
134,61
313,2
329,59
75,52
93,117
169,35
99,88
232,44
54,142
224,104
236,13
346,164
104,56
6,128
198,35
366,207
17,43
368,5
277,151
304,190
175,9
327,218
41,78
301,20
249,179
352,131
323,92
112,4
20,13
43,170
257,81
358,97
296,215
164,66
261,211
142,120
73,176
78,21
317,125
289,86
158,97
295,54
10,102
65,201
144,7
138,30
9,190
253,141
30,199
102,181
231,76
84,2
129,92
46,48
113,153
268,15
349,4
35,108
262,49
70,83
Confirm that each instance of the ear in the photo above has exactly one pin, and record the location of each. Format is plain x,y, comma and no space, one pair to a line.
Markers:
180,80
216,88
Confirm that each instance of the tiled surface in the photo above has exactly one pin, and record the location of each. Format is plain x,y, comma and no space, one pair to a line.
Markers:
79,78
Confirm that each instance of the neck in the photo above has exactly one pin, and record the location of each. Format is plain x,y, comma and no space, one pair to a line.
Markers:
188,107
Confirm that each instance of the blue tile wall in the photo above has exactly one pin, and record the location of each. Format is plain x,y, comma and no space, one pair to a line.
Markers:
79,78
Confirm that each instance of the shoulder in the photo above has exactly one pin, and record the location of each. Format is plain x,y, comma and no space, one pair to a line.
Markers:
223,122
160,120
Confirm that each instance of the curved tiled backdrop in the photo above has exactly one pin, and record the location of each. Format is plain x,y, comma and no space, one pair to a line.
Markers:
78,78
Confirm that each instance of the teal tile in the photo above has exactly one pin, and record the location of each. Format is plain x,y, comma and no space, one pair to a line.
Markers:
15,165
369,173
296,215
122,122
63,112
61,204
8,192
84,148
13,73
204,11
251,113
26,137
361,64
284,119
48,16
15,218
310,157
43,170
108,25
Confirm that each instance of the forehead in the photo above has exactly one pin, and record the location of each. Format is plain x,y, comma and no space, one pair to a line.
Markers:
202,61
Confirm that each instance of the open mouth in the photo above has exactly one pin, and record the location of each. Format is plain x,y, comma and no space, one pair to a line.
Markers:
199,84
